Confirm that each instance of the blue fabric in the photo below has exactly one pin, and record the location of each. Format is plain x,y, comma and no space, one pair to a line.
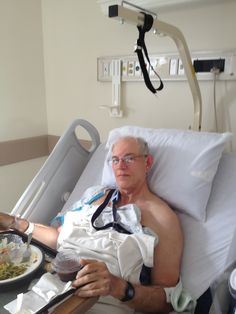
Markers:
59,219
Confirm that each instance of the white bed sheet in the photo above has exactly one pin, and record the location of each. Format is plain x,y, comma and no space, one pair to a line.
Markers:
209,246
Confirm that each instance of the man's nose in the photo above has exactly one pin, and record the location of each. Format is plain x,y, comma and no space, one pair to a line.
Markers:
122,163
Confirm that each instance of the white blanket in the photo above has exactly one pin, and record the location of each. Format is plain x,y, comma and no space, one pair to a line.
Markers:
124,254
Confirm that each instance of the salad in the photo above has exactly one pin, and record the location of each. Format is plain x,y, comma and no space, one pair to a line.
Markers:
12,256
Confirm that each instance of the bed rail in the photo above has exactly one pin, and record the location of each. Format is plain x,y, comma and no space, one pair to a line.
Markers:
48,191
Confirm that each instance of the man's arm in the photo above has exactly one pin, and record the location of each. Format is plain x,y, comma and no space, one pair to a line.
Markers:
45,234
98,281
95,280
167,263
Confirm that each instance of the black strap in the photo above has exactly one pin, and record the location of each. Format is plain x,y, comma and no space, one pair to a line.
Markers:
114,224
100,208
148,21
145,274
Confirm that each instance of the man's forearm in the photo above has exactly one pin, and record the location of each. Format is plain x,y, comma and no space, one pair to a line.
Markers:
45,234
146,298
149,299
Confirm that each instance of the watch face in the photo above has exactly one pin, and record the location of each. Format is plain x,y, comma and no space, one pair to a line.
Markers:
129,292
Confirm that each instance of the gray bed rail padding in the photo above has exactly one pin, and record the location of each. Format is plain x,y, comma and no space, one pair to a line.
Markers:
47,193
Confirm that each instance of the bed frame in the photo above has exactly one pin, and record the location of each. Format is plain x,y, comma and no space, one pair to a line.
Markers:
49,190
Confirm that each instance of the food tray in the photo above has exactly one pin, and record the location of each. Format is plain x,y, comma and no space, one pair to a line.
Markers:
8,292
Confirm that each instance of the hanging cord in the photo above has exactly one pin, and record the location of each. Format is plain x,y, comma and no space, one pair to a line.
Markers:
113,195
215,72
140,47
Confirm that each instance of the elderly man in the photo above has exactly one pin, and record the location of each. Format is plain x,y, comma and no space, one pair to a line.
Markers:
131,162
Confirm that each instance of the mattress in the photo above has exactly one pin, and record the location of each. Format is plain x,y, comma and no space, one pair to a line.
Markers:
209,247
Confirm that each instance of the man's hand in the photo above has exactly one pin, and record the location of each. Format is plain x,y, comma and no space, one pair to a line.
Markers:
6,221
94,279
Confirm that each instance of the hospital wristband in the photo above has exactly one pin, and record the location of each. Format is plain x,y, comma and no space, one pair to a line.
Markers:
30,228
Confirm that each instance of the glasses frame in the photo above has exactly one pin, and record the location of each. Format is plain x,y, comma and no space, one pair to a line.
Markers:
128,159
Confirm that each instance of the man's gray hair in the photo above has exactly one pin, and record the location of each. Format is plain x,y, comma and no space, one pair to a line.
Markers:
143,145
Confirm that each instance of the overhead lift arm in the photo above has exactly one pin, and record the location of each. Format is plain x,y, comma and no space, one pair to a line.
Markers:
137,18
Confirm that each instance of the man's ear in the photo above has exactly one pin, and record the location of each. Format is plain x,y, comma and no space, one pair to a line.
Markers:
149,161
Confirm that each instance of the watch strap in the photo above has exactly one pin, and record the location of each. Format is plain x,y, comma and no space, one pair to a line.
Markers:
129,292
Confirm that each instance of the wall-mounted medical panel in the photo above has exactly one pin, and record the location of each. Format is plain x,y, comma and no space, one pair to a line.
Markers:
169,66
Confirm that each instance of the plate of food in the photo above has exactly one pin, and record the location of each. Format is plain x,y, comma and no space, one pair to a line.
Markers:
17,260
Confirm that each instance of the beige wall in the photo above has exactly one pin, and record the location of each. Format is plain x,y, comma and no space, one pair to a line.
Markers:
22,100
76,33
48,74
22,90
14,179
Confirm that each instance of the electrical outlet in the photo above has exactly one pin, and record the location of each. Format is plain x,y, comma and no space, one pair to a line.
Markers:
152,67
124,68
137,70
106,69
180,68
131,68
173,66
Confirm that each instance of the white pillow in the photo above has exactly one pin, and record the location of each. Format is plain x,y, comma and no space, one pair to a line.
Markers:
185,163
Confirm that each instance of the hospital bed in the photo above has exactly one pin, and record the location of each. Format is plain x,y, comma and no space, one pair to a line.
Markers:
204,197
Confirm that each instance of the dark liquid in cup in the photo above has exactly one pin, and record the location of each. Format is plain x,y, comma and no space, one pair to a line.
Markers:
68,269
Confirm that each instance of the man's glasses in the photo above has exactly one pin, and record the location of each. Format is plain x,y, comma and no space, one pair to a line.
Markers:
128,159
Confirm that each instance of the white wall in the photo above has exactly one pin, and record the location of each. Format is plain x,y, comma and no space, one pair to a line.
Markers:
76,33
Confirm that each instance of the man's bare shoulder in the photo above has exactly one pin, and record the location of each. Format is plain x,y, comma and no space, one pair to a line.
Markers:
164,212
160,217
163,220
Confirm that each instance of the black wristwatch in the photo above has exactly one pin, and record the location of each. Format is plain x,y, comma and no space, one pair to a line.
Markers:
129,292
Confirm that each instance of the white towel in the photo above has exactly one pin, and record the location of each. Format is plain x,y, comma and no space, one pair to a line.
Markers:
47,288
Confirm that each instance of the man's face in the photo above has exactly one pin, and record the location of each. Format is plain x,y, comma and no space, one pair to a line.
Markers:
129,165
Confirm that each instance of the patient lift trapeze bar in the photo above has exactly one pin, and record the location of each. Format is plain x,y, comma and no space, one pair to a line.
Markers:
137,18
